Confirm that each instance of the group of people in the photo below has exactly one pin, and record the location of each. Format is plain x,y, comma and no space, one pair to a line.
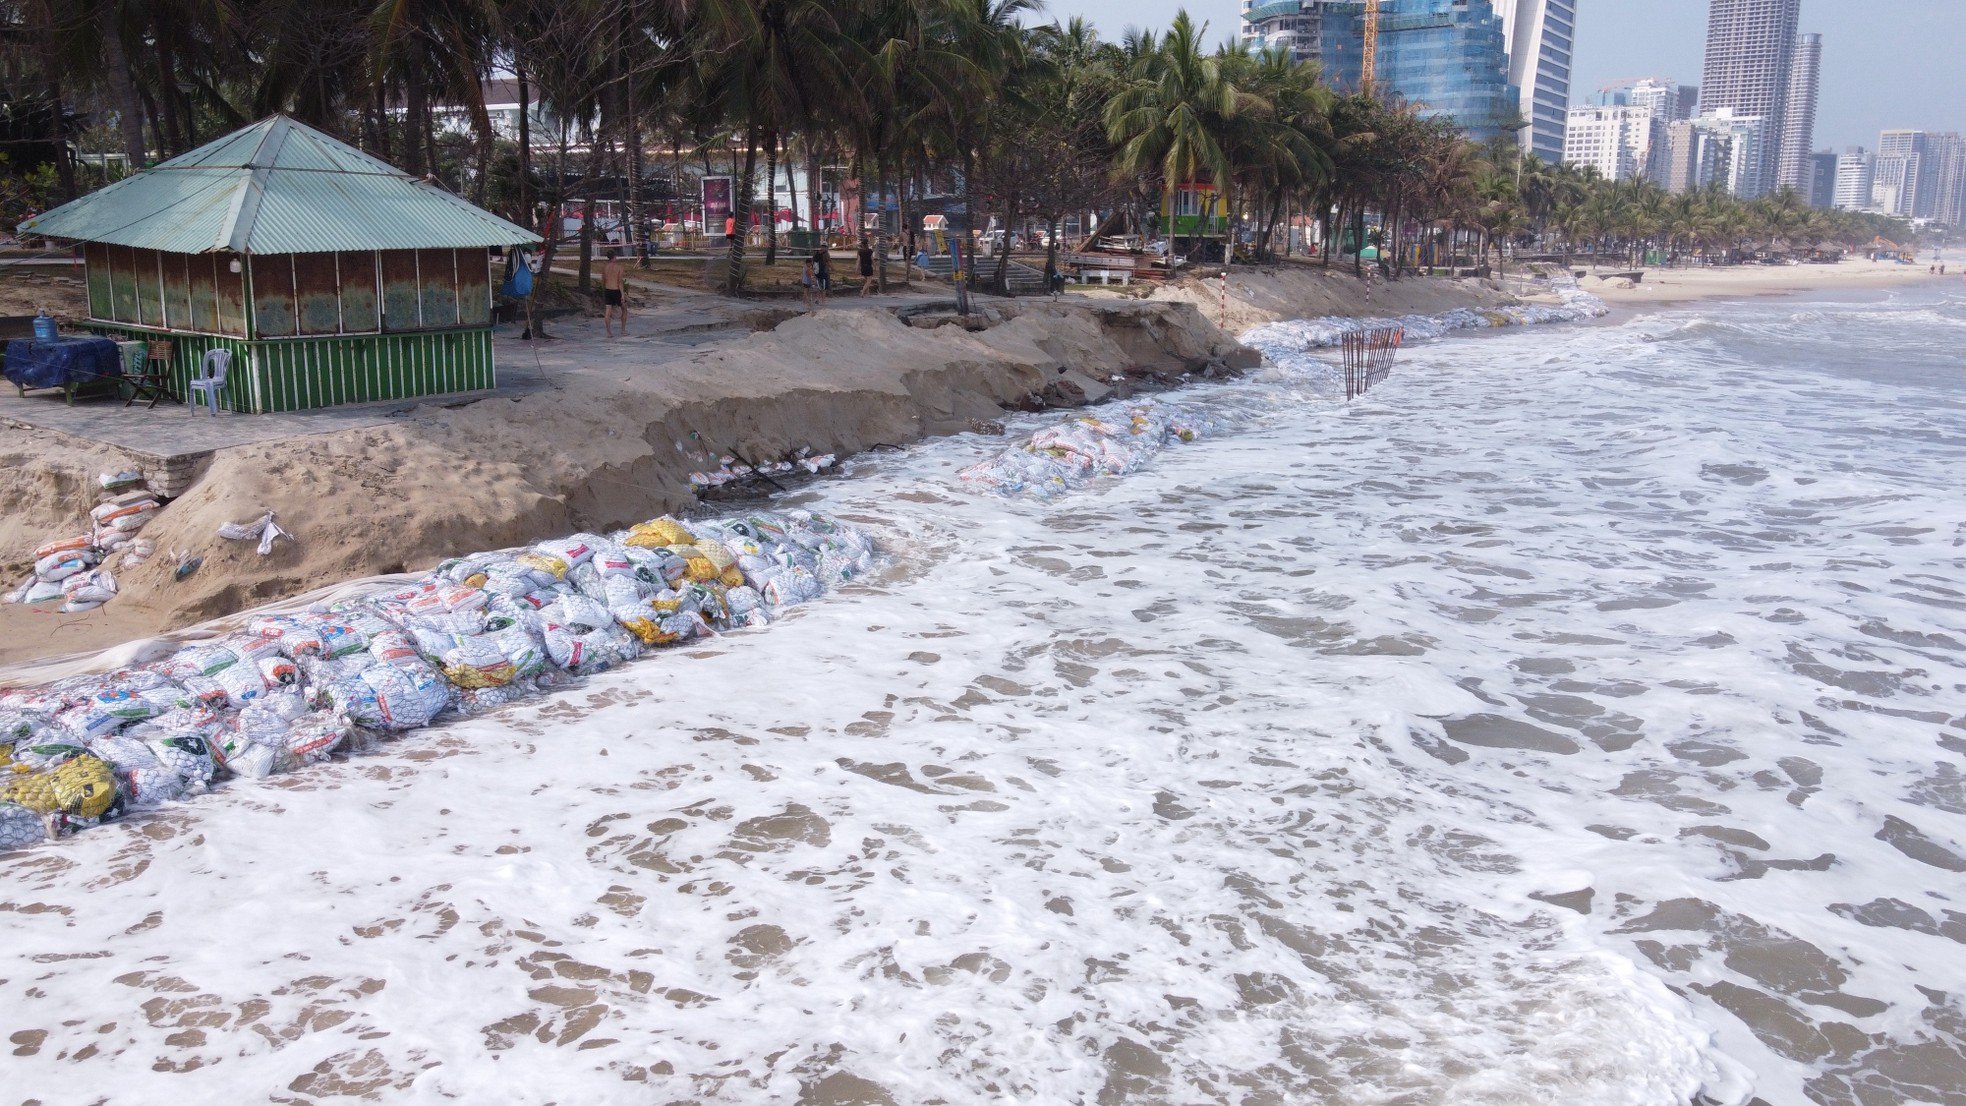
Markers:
816,281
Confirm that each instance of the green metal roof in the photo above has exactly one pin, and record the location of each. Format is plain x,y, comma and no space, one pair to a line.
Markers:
276,187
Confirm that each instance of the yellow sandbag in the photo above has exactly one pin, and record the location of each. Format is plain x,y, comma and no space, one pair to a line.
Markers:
731,577
649,633
476,580
83,787
642,539
702,569
671,531
474,676
552,566
715,553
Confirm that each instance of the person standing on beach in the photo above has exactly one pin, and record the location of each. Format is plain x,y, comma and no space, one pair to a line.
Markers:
613,305
808,282
866,256
822,276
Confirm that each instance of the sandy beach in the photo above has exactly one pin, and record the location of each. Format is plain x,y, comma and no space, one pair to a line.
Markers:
1661,287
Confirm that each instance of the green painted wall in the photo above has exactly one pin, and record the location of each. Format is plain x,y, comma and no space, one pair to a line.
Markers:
298,374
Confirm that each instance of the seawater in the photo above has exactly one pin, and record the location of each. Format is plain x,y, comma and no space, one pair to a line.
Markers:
1578,717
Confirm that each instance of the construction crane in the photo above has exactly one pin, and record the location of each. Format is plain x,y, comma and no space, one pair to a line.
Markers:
1371,57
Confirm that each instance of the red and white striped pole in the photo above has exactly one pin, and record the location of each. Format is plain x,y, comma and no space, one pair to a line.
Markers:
1224,320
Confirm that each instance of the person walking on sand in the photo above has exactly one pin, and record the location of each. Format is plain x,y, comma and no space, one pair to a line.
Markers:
822,276
613,305
808,283
866,256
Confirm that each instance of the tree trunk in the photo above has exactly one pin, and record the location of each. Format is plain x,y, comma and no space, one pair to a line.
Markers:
414,111
123,91
168,95
741,209
587,242
771,193
57,109
526,216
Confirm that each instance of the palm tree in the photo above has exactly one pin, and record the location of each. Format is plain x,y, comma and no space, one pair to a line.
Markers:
1168,120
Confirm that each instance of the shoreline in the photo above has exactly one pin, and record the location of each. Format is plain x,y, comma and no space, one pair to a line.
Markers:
610,433
1662,287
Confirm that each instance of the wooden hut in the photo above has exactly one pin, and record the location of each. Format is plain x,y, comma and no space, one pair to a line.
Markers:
331,276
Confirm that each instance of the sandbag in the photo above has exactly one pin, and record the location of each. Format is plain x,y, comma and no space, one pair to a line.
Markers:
20,827
60,566
198,660
80,787
62,545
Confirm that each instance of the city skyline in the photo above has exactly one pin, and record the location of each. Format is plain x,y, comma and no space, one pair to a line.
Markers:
1918,43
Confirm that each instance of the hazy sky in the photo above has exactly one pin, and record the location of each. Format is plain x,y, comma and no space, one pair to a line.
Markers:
1886,63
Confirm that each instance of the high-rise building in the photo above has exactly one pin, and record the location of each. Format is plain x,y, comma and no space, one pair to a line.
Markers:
1853,180
1619,142
1903,174
1949,181
1311,30
1538,36
1665,100
1795,169
1721,149
1822,179
1448,57
1750,44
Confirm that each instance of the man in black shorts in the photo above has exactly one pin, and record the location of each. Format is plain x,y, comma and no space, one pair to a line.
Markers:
866,267
612,304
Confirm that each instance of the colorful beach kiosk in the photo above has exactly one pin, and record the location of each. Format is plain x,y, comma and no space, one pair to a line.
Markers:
331,276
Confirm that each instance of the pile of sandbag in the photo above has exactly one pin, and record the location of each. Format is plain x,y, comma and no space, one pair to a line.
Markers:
72,569
730,470
479,631
1085,447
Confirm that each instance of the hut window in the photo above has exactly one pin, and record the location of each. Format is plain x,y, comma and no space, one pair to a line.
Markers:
231,289
150,288
317,293
273,296
437,283
177,289
401,309
123,284
358,279
204,295
473,287
101,305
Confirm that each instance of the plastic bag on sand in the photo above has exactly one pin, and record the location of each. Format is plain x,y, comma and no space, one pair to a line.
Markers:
265,531
117,481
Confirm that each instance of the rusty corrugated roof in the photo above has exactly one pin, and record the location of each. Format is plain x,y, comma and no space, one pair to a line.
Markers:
276,187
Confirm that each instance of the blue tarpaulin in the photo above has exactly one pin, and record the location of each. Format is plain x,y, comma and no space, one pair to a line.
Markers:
64,361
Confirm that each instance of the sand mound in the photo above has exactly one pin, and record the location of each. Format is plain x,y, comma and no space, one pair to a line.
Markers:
600,449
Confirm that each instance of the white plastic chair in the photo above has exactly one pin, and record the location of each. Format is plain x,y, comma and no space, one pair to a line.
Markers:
210,377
